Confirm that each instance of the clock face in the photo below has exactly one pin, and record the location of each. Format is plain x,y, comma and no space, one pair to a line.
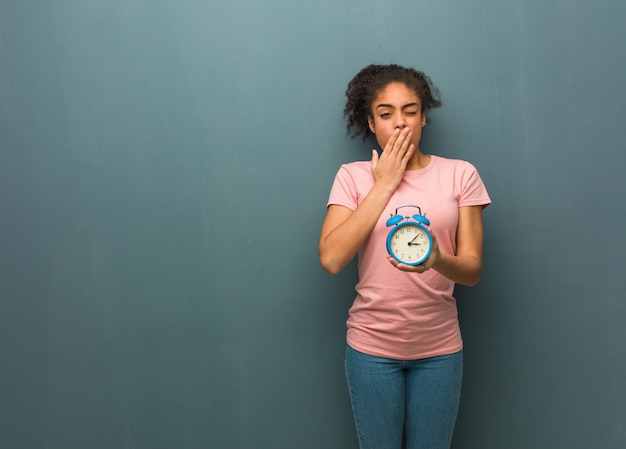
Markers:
409,243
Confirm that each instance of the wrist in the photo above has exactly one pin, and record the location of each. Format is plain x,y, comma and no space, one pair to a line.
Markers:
383,189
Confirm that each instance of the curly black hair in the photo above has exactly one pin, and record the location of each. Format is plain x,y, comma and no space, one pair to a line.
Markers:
369,82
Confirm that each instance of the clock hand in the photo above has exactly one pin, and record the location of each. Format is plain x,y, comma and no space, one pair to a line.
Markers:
412,242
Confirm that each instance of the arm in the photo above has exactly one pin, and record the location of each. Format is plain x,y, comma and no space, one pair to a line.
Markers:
344,231
467,265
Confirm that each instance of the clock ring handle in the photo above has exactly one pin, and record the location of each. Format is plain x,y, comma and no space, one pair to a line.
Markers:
397,218
409,205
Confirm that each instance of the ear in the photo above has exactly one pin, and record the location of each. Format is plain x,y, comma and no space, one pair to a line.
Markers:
370,122
423,119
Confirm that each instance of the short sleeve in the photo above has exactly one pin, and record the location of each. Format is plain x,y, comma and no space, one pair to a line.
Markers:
344,191
472,190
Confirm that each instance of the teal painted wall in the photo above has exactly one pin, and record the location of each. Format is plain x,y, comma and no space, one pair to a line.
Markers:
164,168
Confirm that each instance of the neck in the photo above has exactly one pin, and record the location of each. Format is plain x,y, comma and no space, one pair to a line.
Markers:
418,161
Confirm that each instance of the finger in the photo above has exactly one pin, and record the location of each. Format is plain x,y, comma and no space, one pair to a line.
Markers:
374,159
391,142
403,142
409,152
401,136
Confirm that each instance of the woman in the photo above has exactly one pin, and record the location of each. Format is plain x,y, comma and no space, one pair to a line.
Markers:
404,349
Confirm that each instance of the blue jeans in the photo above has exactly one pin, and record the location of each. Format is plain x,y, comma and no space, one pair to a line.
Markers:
420,397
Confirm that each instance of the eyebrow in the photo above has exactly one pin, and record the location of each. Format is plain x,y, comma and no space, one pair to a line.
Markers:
384,105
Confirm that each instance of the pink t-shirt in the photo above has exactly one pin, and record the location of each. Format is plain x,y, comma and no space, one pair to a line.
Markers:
408,315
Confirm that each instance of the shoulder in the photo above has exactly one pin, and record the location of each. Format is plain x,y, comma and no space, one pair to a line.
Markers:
457,169
357,167
352,181
464,176
355,170
452,164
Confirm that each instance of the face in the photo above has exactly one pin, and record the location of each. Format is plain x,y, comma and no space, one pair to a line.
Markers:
409,244
396,106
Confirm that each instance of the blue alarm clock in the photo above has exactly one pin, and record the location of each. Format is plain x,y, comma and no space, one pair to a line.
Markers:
409,241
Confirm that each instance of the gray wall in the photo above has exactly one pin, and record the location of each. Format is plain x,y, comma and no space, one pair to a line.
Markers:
164,168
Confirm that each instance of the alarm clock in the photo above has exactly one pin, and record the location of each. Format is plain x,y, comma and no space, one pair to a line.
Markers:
409,241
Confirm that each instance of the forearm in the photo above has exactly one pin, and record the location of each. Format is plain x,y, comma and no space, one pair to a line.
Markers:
344,231
464,270
340,242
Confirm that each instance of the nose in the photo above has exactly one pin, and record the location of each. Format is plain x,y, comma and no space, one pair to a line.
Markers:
400,122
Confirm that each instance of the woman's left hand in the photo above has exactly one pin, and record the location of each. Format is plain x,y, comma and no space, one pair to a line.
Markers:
464,267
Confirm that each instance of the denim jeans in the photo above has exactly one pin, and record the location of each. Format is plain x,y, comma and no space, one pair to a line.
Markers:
389,396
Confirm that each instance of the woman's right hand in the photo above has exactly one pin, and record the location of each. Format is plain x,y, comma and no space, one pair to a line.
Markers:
344,231
390,166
